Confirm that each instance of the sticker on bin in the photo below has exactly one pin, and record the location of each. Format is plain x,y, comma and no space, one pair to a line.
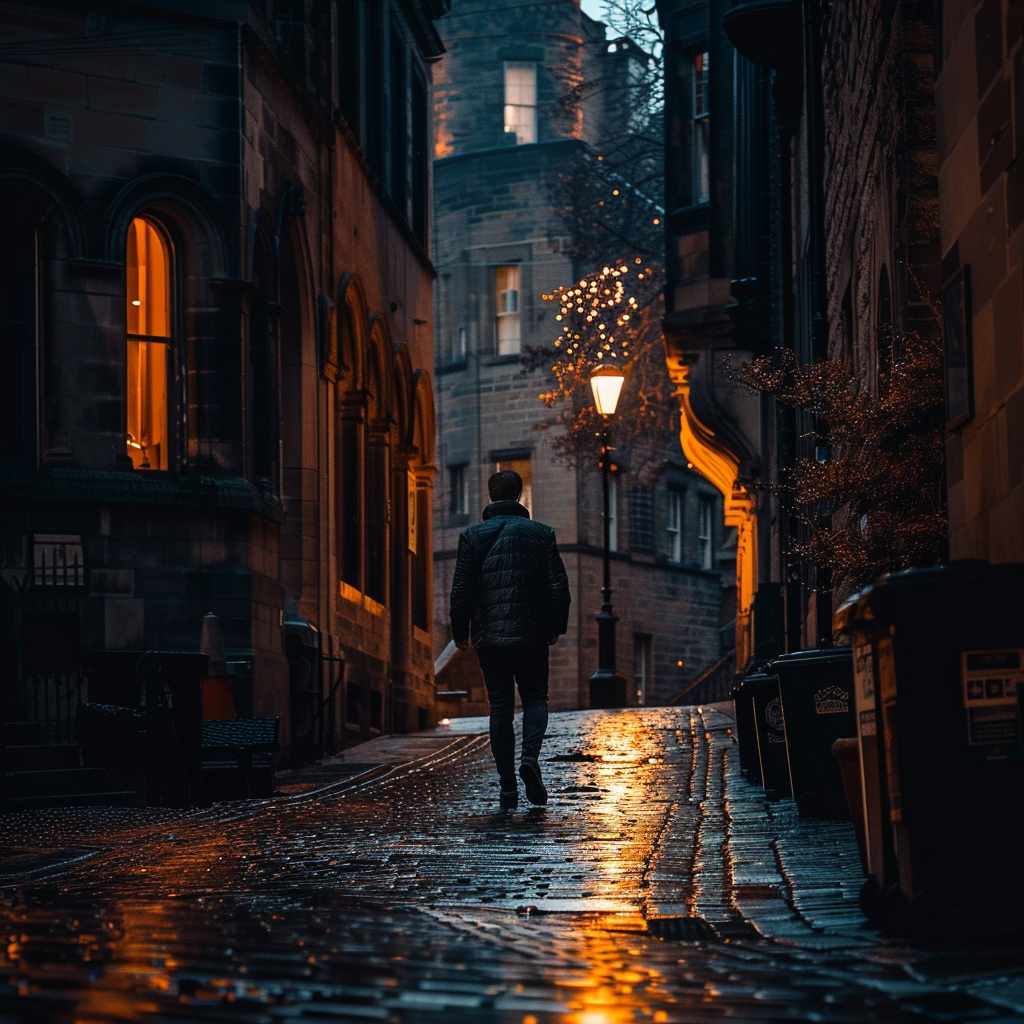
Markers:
833,700
776,723
991,680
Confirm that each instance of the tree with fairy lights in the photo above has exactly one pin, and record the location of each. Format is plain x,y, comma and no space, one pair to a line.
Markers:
871,498
612,315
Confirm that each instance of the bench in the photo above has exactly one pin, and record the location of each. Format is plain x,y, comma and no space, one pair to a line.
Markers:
238,757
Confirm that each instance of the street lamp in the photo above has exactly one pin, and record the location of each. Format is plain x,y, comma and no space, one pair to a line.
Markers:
607,687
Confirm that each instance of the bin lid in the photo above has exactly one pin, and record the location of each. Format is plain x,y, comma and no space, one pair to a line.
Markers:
815,656
759,677
897,587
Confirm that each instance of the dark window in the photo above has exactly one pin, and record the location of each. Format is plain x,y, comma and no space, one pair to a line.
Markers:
398,183
701,130
674,526
376,710
641,519
376,520
349,62
349,502
458,490
375,131
17,335
420,157
420,562
353,704
262,391
290,26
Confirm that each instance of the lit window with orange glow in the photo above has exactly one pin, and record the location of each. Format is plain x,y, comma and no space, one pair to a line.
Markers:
149,335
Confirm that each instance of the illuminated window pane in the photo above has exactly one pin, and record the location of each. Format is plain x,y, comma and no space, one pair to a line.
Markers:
521,101
507,306
149,282
149,323
147,404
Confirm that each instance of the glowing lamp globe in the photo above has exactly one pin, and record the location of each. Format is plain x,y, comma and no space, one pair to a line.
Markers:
606,383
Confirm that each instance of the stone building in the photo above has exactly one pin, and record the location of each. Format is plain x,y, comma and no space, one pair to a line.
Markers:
218,344
515,103
720,301
822,219
979,101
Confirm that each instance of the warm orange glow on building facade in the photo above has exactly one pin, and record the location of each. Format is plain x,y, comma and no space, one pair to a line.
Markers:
720,466
149,333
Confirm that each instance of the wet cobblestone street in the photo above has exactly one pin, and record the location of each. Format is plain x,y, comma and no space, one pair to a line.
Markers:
657,885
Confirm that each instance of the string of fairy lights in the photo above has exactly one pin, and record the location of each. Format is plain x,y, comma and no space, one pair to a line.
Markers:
603,318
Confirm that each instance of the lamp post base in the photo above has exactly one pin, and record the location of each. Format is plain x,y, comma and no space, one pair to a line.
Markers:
607,689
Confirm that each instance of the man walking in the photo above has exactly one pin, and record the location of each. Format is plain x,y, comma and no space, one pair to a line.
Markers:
510,583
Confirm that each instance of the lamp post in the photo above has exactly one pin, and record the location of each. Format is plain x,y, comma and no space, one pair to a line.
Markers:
607,687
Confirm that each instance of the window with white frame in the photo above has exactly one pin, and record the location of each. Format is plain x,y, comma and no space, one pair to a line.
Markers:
674,527
705,532
641,520
613,512
701,130
506,304
521,101
458,490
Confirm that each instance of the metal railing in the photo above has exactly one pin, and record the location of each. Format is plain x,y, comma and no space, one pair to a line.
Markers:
53,681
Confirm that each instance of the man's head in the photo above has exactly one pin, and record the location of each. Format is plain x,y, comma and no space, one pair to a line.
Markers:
505,486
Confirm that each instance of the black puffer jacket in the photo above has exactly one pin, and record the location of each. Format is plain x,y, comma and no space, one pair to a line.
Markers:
509,580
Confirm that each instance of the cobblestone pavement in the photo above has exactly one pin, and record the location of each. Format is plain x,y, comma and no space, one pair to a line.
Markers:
657,885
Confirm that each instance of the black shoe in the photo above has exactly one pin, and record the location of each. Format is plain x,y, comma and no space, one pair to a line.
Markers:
529,772
508,799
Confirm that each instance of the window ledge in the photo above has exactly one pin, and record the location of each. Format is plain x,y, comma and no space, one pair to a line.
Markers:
459,364
349,593
513,357
140,487
686,219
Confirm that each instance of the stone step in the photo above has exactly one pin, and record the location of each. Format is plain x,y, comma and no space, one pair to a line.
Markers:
22,733
50,781
41,756
112,798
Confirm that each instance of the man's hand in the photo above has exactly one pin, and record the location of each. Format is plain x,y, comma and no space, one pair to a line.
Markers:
462,645
552,639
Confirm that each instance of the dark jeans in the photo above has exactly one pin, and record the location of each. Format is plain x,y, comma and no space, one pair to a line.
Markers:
527,668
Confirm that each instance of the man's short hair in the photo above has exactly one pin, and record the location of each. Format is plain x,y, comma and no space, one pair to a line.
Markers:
505,486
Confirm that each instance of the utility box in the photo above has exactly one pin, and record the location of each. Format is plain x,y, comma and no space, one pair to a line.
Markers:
938,668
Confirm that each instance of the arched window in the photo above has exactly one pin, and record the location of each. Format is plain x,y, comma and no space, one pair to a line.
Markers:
149,338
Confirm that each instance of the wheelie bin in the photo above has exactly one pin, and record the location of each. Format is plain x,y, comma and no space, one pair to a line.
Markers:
938,667
770,728
746,732
816,691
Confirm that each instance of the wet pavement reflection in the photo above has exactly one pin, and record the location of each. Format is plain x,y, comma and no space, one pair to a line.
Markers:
657,885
